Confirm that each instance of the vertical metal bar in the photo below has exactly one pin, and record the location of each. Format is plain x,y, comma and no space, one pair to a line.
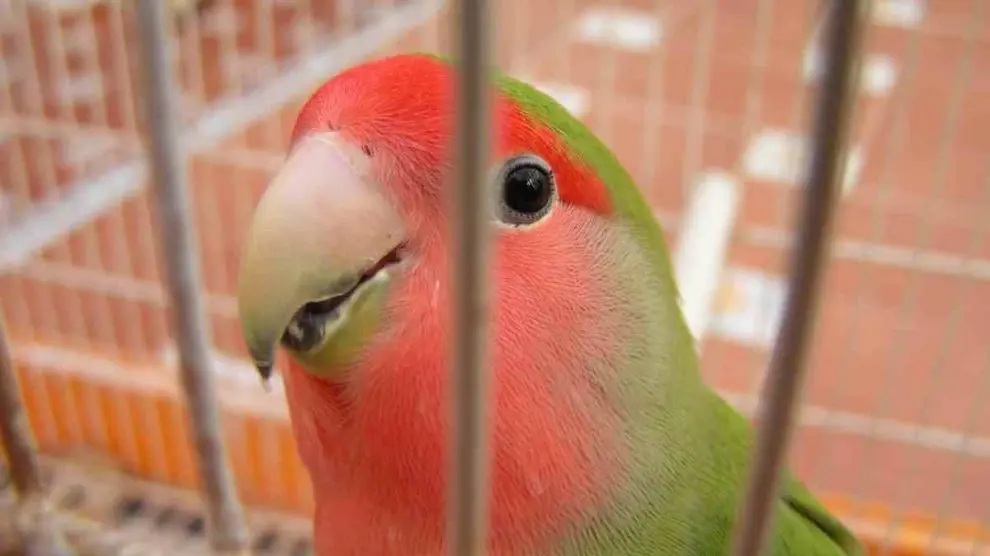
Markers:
37,532
468,489
227,528
887,158
845,26
15,431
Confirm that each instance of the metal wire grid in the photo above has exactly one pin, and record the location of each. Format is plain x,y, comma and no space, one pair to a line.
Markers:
145,517
90,269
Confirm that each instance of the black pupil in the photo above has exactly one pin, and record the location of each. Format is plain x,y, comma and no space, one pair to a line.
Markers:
527,190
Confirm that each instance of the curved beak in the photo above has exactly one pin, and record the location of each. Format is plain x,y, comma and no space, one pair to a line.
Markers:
320,224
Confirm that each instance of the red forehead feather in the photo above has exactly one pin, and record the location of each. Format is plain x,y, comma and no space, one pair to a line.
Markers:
401,105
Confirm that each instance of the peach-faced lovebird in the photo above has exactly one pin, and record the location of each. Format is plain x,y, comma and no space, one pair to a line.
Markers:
605,439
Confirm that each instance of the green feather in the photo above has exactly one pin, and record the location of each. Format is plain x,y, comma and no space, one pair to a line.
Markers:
690,448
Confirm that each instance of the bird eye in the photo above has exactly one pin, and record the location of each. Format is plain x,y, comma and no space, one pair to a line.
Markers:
527,190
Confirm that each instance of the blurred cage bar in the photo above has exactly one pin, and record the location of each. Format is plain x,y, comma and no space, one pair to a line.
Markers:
704,101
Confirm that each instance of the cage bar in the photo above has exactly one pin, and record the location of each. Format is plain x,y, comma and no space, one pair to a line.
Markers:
18,442
703,241
35,530
845,25
467,511
229,534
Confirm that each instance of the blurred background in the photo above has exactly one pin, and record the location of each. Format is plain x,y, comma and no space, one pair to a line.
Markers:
706,102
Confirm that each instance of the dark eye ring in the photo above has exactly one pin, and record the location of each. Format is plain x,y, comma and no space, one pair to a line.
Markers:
526,190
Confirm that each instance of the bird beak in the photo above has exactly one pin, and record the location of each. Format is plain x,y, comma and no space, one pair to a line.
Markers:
320,224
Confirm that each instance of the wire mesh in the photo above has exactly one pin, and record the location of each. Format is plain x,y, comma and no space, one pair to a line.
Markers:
893,432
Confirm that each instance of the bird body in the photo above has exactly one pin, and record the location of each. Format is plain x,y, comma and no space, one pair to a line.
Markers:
605,438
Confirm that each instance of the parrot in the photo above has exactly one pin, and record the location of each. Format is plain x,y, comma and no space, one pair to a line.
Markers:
604,438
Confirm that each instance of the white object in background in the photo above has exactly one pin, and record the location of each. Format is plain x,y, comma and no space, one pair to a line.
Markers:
88,154
907,14
854,169
749,307
777,156
224,366
574,99
879,72
879,75
703,241
619,28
